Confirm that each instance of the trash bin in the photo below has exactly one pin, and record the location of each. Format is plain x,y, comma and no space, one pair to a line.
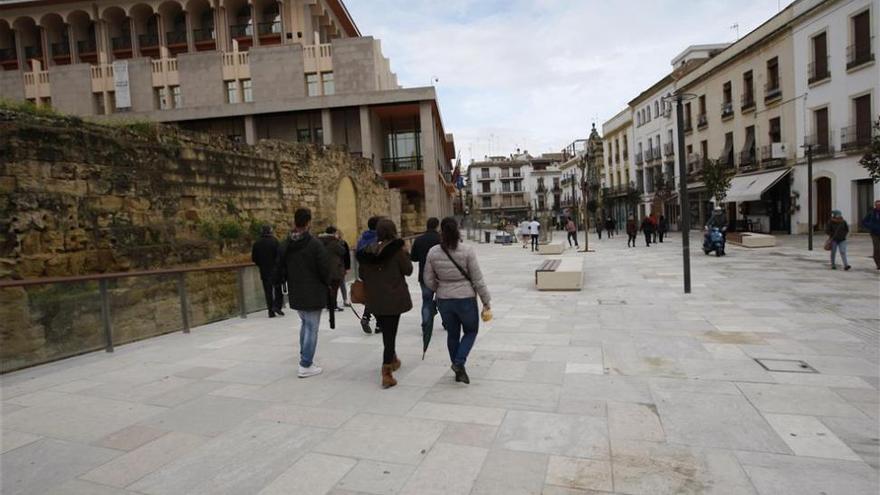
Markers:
488,237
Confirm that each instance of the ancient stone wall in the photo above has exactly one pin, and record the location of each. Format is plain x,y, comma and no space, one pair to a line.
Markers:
79,198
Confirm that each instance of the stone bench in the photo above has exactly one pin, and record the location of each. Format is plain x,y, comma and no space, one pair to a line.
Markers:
560,274
754,240
552,248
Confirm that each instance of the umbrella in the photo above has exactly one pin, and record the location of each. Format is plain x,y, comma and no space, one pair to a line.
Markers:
427,330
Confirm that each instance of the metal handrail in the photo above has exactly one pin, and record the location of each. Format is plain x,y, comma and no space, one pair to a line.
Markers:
5,284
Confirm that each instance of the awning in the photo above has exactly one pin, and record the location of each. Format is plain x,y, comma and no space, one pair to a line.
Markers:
750,187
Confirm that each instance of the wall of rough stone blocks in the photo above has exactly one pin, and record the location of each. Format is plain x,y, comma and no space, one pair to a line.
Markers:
79,198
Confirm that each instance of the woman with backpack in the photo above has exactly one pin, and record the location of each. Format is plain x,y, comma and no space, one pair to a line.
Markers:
384,266
452,272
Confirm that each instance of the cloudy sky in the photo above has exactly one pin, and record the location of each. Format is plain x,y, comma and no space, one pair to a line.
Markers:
534,74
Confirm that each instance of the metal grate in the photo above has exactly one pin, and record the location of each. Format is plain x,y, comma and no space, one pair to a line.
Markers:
786,365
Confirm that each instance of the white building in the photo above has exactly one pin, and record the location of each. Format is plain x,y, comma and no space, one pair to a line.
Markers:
619,172
836,72
515,187
654,139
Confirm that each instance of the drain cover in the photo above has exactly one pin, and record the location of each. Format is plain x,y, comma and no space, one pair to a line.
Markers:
786,365
612,302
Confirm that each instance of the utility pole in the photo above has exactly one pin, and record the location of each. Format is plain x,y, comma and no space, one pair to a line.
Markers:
682,195
809,152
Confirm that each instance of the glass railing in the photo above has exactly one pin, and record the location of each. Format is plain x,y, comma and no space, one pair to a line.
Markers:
57,317
401,164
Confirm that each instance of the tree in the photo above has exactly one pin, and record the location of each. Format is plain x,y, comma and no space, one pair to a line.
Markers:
717,178
871,160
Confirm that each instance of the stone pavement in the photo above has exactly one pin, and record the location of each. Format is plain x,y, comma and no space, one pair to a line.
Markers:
628,387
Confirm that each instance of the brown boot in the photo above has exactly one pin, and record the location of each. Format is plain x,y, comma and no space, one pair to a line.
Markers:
388,380
395,365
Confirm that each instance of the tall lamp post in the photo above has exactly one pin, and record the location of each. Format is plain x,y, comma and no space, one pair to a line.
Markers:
588,177
678,98
808,150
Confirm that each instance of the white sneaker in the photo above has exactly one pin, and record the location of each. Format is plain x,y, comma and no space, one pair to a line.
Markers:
310,371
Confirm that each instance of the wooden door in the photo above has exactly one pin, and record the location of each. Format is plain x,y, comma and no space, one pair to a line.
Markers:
823,202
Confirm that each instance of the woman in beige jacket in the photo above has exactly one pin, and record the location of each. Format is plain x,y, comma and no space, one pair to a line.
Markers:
452,272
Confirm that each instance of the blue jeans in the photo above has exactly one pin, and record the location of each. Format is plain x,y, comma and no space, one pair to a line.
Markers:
459,315
841,246
308,336
429,309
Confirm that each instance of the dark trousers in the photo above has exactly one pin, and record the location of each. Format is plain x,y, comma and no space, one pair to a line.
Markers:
389,325
534,242
274,297
875,238
610,233
572,235
599,232
660,235
461,319
647,238
631,240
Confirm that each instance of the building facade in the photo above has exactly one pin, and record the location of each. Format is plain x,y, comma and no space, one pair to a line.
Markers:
515,187
297,70
619,173
835,70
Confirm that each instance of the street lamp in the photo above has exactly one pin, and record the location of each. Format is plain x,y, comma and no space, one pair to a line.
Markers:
678,98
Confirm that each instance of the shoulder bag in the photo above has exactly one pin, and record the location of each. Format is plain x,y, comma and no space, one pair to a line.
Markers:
486,314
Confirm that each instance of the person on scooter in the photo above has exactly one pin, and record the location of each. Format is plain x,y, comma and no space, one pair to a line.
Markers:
718,220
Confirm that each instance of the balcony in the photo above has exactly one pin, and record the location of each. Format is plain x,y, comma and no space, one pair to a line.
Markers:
236,65
318,58
649,155
639,159
175,38
695,162
702,121
401,164
121,43
31,52
726,110
656,152
203,35
86,47
61,49
269,28
855,137
486,178
149,40
747,102
772,91
768,160
510,177
820,145
8,59
668,149
727,160
747,159
818,72
688,125
858,55
241,31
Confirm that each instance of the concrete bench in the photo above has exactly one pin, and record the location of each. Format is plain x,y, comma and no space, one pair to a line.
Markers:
551,248
755,240
560,274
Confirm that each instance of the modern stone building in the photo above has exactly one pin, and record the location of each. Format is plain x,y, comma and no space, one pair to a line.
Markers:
297,70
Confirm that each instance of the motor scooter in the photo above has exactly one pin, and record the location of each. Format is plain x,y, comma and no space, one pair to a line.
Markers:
714,241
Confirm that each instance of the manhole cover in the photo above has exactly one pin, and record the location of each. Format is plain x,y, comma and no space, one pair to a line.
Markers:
612,302
786,365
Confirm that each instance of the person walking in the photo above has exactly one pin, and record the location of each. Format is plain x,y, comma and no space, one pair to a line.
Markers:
837,230
599,227
610,227
653,219
572,230
264,253
647,228
346,261
419,254
304,264
336,253
524,233
535,232
631,230
453,273
662,228
367,238
871,222
385,265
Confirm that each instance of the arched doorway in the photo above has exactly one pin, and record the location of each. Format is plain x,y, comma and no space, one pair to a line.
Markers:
346,210
823,202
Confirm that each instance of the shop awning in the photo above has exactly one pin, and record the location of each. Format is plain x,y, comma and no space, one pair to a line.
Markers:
750,187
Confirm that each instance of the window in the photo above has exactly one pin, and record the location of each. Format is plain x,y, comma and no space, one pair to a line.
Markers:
688,125
704,149
726,157
860,51
99,103
656,109
747,157
862,117
484,173
162,102
304,135
231,91
175,96
319,135
748,96
821,139
247,91
487,202
487,187
505,186
772,89
648,112
727,100
775,133
702,120
327,83
818,69
312,88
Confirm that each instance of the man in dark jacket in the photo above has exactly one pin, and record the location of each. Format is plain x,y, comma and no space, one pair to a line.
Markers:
335,253
648,229
871,222
263,254
419,253
368,238
303,263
